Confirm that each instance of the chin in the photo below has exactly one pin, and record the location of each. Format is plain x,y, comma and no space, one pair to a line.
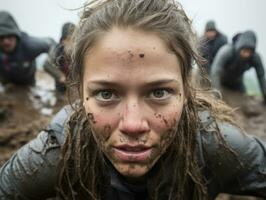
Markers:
132,170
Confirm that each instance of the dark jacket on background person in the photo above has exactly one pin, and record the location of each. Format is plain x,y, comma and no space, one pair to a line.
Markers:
210,47
19,66
228,67
58,62
238,168
57,65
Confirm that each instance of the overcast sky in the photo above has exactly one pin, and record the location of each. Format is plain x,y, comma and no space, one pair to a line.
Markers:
45,17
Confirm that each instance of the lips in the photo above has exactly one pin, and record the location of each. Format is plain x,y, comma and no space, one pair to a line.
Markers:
127,153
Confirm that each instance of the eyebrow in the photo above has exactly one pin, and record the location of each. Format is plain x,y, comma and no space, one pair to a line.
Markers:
148,83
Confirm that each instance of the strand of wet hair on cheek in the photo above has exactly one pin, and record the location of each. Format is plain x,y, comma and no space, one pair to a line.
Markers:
186,181
78,157
82,163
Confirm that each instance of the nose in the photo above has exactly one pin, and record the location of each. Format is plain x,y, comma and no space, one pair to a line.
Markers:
133,122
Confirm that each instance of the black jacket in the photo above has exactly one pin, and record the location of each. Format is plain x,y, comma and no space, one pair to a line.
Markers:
57,65
19,66
240,169
228,68
210,48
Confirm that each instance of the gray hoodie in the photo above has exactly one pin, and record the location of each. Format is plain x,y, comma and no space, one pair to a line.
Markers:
19,66
228,68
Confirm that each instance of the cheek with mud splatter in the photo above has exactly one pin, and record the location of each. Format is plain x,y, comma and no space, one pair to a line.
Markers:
168,135
102,136
91,118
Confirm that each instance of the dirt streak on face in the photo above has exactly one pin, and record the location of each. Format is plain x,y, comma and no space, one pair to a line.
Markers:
135,91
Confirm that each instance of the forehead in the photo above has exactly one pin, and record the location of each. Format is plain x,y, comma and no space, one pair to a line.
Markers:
10,37
129,51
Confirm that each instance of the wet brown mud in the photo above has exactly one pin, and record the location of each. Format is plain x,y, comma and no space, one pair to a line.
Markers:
23,113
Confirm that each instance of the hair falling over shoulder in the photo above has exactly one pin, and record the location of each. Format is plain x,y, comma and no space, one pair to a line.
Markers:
83,170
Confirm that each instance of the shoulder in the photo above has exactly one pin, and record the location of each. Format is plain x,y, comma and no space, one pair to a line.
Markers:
228,48
59,122
215,133
256,57
222,38
225,52
232,161
225,145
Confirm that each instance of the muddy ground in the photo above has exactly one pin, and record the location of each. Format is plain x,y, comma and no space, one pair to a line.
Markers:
24,112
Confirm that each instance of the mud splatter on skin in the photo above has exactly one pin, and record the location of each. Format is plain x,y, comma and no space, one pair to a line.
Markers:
123,138
141,55
140,140
143,140
131,55
106,132
125,57
167,137
103,136
157,115
91,118
163,119
179,96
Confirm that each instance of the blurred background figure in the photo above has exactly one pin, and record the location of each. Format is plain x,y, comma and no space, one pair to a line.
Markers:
58,61
233,60
18,51
212,41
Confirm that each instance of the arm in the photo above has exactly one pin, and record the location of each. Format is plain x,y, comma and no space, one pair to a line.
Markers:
51,68
31,172
239,166
260,74
221,58
221,42
36,46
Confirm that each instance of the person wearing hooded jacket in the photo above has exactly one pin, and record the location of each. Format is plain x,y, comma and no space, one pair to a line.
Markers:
233,60
212,41
18,51
58,62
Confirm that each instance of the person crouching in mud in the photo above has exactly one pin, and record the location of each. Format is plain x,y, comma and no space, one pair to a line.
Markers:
58,61
140,130
233,60
18,52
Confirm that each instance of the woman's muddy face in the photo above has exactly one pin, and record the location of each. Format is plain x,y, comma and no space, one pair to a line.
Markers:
133,96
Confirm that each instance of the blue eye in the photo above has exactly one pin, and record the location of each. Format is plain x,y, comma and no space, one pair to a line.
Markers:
105,95
160,94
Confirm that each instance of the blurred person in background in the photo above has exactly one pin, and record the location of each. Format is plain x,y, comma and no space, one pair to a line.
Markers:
58,61
212,41
233,60
18,52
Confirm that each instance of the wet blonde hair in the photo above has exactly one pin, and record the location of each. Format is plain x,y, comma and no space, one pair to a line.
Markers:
83,164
